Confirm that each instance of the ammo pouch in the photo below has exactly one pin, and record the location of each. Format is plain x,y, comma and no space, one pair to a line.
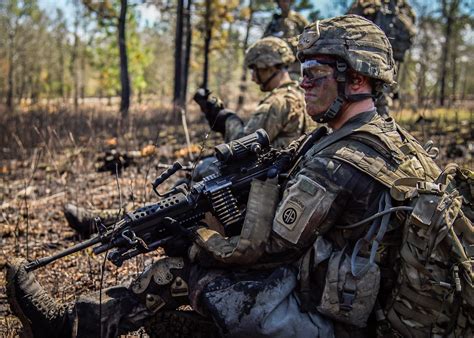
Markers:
352,282
347,298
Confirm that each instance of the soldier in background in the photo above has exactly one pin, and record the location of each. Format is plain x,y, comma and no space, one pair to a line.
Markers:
397,19
287,25
281,113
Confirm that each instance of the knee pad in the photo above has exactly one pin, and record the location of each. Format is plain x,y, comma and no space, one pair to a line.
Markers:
162,283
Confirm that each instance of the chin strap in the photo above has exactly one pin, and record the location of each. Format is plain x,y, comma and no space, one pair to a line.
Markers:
265,83
341,79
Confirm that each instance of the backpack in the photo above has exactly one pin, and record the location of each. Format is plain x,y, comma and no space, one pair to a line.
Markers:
395,17
434,292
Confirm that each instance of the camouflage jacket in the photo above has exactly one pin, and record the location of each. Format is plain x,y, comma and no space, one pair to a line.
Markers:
281,113
286,28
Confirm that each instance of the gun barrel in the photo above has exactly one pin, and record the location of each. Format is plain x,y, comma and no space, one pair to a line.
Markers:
37,263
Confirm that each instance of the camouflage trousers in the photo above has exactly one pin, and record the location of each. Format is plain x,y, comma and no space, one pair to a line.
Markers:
241,303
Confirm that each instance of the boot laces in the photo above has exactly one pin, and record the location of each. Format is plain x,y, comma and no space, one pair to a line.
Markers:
48,306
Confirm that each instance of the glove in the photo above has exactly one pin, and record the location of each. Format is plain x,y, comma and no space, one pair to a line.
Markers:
213,109
177,246
181,240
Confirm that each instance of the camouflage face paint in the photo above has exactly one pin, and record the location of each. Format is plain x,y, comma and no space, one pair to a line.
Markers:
313,71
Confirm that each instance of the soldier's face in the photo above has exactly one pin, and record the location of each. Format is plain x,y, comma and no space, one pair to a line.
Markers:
261,75
319,84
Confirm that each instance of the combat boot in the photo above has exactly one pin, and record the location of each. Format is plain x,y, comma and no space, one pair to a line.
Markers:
82,220
40,314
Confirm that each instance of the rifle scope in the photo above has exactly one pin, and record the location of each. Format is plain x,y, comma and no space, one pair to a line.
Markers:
242,147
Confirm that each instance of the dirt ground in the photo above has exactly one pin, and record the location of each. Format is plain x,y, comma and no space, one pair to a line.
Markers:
48,159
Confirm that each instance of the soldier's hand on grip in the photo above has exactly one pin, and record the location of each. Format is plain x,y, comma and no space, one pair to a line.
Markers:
213,109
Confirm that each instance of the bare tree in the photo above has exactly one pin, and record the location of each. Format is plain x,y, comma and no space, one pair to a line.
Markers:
450,12
106,13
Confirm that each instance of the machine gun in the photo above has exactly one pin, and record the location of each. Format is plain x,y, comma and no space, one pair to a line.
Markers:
223,194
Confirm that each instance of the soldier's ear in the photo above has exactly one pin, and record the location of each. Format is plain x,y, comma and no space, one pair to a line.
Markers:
358,81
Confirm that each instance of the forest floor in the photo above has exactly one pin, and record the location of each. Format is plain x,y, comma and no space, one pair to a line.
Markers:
48,157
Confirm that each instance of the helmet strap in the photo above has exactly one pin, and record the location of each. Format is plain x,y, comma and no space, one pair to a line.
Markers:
267,81
341,79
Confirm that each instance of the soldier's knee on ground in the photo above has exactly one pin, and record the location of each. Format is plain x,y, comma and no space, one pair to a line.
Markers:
163,285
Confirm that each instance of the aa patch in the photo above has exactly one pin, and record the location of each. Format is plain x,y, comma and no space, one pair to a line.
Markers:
290,215
303,207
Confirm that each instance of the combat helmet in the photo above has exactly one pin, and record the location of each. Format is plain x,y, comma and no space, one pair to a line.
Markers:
357,43
267,52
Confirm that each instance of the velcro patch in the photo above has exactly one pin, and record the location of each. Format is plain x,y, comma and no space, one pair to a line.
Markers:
290,215
304,201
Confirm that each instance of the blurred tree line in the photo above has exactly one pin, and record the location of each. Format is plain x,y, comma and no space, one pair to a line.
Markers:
106,49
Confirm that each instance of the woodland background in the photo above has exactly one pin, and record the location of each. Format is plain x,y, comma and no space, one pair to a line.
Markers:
82,77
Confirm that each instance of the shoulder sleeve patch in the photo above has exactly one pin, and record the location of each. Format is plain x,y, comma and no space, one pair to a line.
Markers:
304,206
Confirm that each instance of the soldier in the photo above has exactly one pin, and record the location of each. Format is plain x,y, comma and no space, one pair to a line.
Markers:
397,19
287,25
307,261
281,113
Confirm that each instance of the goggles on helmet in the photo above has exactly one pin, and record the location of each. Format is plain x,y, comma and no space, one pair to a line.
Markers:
314,70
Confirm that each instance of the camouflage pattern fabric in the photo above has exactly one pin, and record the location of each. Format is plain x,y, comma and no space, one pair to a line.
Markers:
282,114
359,42
267,52
395,17
288,29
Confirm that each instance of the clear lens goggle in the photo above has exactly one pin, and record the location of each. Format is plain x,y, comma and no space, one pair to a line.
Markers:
314,69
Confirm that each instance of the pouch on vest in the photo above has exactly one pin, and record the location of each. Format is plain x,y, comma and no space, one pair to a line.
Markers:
347,298
352,282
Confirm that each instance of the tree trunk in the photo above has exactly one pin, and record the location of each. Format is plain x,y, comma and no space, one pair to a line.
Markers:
11,70
124,79
449,10
243,79
74,74
61,68
444,62
187,53
73,64
178,57
207,44
454,71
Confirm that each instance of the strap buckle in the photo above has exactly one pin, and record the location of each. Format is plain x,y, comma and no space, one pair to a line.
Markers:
348,294
429,187
341,68
347,300
334,109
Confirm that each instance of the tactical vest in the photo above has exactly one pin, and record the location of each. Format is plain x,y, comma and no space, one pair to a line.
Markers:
433,294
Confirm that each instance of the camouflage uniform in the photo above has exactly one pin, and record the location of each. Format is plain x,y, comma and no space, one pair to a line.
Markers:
281,113
397,19
288,28
276,278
